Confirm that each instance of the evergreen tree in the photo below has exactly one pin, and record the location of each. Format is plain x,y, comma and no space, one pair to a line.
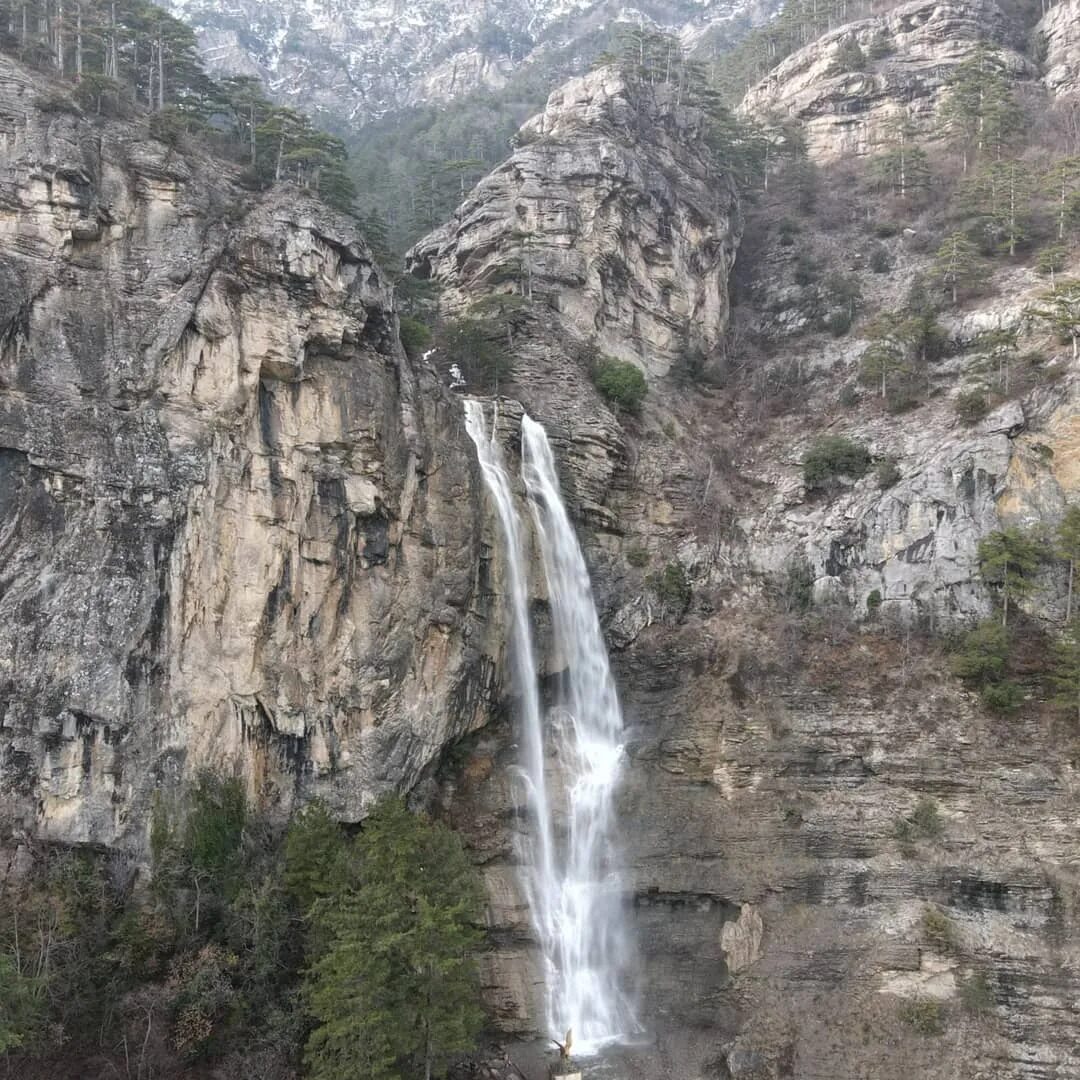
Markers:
849,57
1051,261
1062,184
1061,309
395,992
1065,673
999,195
316,865
1008,559
903,167
956,263
979,112
1068,545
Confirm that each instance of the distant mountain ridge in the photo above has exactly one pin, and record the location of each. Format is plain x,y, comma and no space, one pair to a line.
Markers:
358,61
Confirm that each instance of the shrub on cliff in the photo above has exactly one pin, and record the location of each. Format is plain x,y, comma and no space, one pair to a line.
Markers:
620,383
415,336
832,457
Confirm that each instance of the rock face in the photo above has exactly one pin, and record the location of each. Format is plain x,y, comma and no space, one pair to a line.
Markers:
357,61
239,528
846,113
216,465
629,239
1060,29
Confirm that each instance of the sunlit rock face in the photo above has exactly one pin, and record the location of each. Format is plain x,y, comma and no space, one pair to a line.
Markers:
232,532
909,52
613,216
1060,30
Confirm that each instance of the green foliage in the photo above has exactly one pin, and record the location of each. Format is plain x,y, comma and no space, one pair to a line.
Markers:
976,993
202,973
620,383
1008,559
925,1015
315,857
902,168
672,587
831,457
938,929
395,992
130,54
416,337
215,825
923,823
873,602
637,556
956,265
1068,548
1060,309
849,57
879,261
797,586
971,406
982,659
1065,670
475,345
979,113
21,1005
998,198
1051,260
983,654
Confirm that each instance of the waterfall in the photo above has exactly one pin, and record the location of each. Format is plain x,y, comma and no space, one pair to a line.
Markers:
571,760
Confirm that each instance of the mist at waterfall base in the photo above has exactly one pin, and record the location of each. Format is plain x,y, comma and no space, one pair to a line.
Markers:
569,880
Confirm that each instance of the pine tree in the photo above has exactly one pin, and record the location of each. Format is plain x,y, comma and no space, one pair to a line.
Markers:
956,263
315,857
1008,559
395,992
903,167
1065,673
979,112
1061,309
1068,546
1051,261
1062,184
1000,195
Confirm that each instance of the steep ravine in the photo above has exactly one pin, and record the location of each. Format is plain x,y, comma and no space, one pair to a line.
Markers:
241,529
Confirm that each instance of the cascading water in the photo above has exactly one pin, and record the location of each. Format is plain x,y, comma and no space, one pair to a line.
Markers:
568,873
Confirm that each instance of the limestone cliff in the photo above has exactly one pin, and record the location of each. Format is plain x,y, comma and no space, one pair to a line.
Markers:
614,217
1060,30
910,52
231,529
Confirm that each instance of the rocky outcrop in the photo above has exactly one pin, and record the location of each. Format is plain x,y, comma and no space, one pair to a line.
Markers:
607,214
231,532
910,52
1060,31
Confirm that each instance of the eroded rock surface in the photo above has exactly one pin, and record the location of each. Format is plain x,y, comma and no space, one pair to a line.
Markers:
609,214
1060,29
231,536
910,52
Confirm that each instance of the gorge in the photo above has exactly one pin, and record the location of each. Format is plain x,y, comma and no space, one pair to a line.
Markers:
686,613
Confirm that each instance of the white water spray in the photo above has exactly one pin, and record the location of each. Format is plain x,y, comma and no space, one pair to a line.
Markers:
568,872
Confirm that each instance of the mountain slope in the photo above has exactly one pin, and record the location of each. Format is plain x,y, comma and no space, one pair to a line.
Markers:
357,61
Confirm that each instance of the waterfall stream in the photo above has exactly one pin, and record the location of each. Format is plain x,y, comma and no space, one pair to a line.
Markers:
572,756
